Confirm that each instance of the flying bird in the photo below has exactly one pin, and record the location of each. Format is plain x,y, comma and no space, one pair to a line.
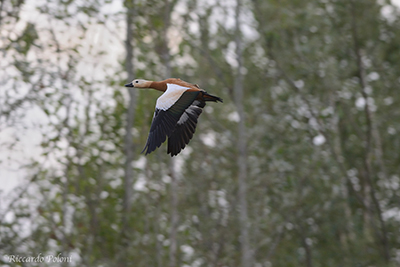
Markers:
176,114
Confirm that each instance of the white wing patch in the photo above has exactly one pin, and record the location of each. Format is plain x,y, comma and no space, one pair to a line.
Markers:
170,96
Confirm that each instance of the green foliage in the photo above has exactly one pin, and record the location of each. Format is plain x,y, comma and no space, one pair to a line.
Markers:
321,102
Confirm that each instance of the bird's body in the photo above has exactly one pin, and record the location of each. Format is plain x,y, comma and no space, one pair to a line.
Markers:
176,114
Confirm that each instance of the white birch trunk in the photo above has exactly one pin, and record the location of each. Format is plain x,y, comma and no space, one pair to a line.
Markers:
242,148
128,142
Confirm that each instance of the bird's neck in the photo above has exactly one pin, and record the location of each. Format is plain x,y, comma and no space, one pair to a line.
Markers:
160,86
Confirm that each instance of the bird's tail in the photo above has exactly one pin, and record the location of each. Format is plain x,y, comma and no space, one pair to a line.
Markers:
208,97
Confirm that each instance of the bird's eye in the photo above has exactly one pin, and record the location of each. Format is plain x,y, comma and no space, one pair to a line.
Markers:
136,81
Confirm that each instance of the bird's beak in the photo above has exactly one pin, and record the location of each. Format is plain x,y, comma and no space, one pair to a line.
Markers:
129,85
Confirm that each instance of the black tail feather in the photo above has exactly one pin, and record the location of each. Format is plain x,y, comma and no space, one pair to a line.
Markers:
208,97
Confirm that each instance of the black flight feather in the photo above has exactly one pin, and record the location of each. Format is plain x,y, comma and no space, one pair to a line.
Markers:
165,121
185,128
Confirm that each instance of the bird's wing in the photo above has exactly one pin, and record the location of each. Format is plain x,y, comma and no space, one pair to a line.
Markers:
169,109
185,128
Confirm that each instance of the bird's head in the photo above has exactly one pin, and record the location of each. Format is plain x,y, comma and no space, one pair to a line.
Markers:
139,83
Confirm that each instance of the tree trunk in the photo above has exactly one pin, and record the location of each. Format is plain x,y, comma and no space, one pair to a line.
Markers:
368,139
128,142
172,169
174,215
241,147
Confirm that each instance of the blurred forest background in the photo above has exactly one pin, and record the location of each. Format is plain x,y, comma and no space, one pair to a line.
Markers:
300,166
